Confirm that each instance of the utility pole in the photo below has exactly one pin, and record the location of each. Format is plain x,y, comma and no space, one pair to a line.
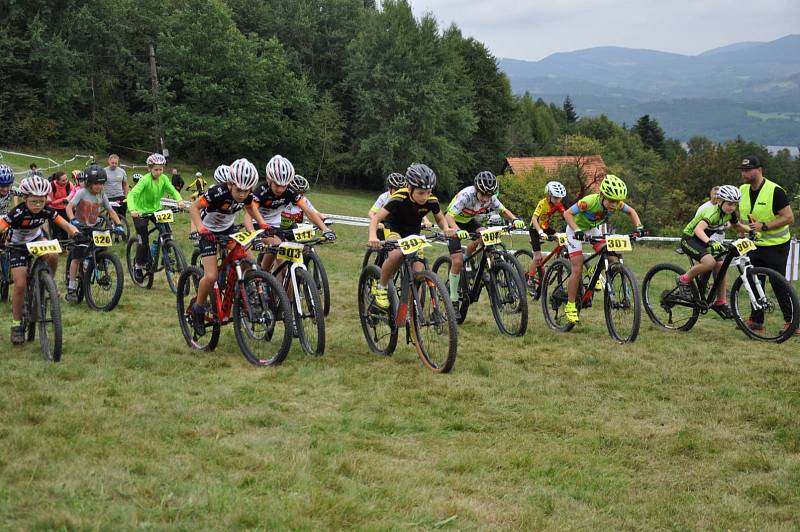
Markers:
154,89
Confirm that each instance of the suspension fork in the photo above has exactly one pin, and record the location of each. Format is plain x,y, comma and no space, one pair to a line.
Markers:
755,299
295,290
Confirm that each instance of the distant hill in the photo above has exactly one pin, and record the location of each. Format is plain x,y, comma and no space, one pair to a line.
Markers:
754,87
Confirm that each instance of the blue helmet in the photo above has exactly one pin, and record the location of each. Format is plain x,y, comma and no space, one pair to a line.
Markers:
6,175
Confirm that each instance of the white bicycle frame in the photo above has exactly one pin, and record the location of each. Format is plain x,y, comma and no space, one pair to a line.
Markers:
743,264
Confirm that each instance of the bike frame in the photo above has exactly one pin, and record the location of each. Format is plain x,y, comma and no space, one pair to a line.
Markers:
742,264
164,235
602,257
223,299
489,253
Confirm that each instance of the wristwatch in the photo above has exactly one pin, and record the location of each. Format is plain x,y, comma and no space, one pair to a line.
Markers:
764,226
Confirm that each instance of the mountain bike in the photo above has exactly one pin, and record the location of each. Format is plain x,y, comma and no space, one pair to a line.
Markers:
671,308
621,303
105,223
164,248
253,300
534,283
42,308
423,307
100,277
488,267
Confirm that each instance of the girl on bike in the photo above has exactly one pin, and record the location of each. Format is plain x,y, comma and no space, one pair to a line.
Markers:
540,227
26,221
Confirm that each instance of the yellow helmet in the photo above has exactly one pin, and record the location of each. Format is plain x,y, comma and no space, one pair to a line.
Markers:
614,188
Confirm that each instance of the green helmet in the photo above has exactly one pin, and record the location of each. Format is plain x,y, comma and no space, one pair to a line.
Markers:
614,188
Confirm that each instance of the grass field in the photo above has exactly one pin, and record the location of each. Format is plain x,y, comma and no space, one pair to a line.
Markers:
134,430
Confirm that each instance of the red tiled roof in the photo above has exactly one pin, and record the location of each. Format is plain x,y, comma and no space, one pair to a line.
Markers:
592,164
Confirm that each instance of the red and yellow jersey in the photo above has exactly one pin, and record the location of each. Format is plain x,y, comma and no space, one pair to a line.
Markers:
545,210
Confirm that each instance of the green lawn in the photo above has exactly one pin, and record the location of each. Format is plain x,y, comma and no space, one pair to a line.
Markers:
134,430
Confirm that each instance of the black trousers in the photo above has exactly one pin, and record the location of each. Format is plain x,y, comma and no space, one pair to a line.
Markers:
774,258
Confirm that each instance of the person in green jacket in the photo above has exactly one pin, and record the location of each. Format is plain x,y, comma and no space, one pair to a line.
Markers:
145,198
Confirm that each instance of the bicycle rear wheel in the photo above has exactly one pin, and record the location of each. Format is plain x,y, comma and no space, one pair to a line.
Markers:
262,319
662,302
508,299
441,267
314,264
777,298
433,323
532,284
103,281
621,304
174,264
378,324
308,314
187,293
48,316
554,295
131,251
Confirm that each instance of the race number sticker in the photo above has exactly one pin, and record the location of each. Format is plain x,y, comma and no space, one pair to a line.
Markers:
618,243
490,237
744,246
102,239
291,251
164,217
562,239
412,244
245,237
303,232
43,247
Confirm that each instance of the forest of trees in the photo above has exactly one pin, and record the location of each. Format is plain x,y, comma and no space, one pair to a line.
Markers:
348,89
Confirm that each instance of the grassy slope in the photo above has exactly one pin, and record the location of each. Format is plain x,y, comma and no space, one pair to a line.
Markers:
570,431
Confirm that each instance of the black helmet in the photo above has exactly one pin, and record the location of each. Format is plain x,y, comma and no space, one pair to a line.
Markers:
95,174
395,180
486,182
420,176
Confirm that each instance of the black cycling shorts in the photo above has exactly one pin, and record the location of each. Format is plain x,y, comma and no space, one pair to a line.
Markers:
695,248
472,226
208,248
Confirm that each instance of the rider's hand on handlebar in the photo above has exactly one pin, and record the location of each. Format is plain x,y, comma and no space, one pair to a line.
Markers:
543,236
119,229
374,243
135,214
518,224
206,234
76,223
329,235
579,236
716,247
461,234
639,232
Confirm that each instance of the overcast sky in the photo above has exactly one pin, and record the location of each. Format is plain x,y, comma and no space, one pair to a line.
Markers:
533,29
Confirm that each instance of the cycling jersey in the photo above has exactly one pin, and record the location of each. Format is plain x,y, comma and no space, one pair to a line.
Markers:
293,214
380,202
545,210
220,208
405,215
589,211
87,206
270,205
714,217
146,196
466,205
26,226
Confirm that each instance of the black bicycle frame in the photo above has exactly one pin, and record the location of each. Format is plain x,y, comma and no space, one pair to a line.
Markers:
702,280
474,291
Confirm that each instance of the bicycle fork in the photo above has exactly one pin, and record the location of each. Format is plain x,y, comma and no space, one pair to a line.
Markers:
755,299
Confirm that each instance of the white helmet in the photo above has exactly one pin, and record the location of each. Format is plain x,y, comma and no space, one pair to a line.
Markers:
729,193
156,158
222,173
243,174
35,186
555,189
280,170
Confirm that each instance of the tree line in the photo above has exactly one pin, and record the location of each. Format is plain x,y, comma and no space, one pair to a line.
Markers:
347,89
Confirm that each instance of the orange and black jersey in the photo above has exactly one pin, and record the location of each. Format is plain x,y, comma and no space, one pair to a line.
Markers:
219,208
26,226
405,215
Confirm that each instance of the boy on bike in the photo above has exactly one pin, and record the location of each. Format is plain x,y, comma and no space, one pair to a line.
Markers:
472,201
271,197
145,198
26,221
698,242
83,211
6,181
583,220
214,213
402,216
540,227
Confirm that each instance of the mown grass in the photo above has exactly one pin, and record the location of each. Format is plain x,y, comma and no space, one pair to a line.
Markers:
134,430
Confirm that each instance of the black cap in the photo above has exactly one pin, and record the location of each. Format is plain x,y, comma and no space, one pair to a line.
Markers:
748,163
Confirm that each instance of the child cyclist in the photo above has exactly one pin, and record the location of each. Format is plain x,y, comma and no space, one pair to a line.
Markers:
145,198
698,242
26,221
271,197
583,220
6,181
540,227
83,211
292,214
402,216
470,202
214,213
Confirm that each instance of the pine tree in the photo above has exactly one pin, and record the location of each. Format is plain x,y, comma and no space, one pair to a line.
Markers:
569,110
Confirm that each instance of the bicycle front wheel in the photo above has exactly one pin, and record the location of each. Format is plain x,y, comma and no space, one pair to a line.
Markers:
662,301
314,264
131,251
186,296
103,282
308,314
48,316
433,323
378,324
508,299
621,304
554,295
262,319
774,310
174,264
